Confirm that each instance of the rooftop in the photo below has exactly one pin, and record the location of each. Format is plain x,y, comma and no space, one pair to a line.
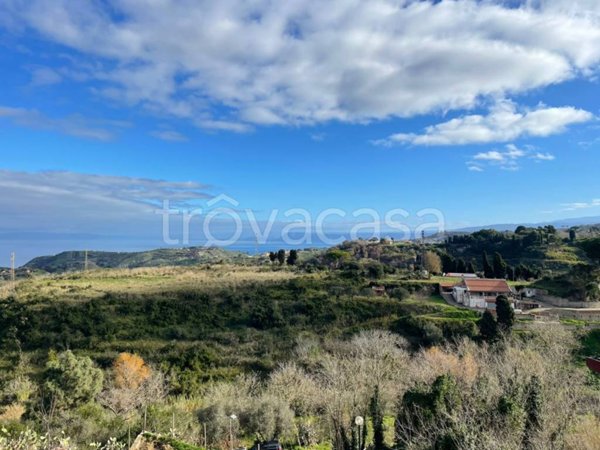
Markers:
486,285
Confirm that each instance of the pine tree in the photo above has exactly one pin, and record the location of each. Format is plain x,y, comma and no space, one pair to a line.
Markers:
488,327
505,313
500,266
461,267
488,270
376,412
272,256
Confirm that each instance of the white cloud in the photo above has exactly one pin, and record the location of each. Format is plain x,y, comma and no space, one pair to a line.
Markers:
474,168
581,205
543,156
169,135
74,125
507,159
237,63
77,202
503,123
44,76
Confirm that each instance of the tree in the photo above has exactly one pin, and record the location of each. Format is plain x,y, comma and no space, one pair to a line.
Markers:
292,258
500,266
488,271
422,409
505,313
592,248
281,256
488,327
376,412
268,418
572,234
272,256
471,267
132,385
71,381
448,263
461,266
432,262
130,371
533,410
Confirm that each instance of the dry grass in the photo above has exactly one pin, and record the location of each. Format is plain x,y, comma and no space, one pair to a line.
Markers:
94,284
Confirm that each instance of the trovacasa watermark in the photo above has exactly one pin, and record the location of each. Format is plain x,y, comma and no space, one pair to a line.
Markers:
221,223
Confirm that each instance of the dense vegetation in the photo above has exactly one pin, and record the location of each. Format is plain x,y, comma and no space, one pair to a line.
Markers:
296,344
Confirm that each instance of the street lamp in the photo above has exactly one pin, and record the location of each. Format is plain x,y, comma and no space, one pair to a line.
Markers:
231,419
359,421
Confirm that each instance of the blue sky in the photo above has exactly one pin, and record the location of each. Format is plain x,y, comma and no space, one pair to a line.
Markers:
487,111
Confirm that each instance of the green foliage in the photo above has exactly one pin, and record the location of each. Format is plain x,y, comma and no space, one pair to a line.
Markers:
488,327
74,261
376,413
592,248
572,234
533,409
292,258
505,313
70,380
420,407
500,266
268,418
281,256
488,270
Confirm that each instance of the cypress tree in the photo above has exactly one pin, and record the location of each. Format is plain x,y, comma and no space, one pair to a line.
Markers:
471,268
281,256
505,313
533,410
488,327
488,270
376,412
292,257
500,266
461,267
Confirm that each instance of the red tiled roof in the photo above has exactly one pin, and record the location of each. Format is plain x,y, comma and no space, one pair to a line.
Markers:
447,284
486,285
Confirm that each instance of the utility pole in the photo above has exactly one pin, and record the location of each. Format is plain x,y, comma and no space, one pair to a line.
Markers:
423,249
12,267
85,264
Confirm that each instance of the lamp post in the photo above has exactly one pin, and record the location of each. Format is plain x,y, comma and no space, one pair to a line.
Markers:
359,421
231,419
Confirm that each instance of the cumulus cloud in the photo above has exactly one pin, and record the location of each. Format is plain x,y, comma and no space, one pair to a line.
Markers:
506,159
237,64
73,125
503,123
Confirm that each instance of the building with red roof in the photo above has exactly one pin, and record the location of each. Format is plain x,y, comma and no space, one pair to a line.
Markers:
480,292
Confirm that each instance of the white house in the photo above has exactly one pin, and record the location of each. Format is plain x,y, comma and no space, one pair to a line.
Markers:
480,292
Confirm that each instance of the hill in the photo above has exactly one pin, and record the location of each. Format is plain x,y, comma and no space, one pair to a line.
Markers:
74,260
